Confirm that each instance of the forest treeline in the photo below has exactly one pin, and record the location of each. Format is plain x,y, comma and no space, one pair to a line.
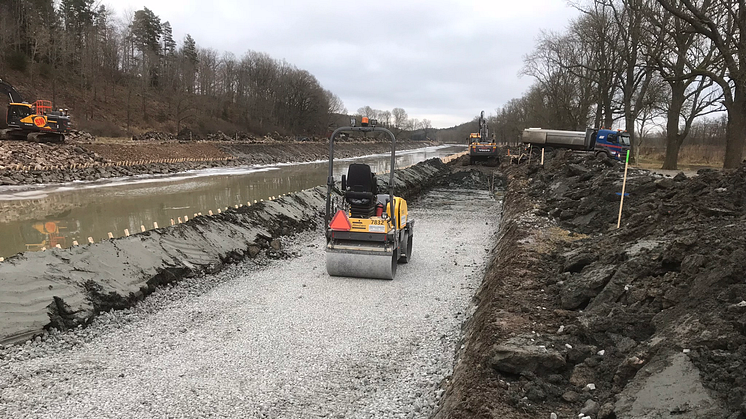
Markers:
134,63
631,63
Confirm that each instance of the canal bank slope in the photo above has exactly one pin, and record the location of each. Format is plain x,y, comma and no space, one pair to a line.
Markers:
66,288
580,319
31,163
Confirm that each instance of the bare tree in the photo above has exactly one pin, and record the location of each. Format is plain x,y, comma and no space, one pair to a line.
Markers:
723,22
400,118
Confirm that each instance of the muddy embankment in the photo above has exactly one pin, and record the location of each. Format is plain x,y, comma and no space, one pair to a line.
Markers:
66,288
578,317
32,163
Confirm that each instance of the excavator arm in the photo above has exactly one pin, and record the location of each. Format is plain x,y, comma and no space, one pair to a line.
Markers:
13,95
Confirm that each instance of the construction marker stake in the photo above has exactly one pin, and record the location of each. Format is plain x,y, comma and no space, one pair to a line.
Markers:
624,185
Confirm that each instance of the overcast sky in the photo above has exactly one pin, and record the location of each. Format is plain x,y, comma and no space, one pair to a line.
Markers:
443,60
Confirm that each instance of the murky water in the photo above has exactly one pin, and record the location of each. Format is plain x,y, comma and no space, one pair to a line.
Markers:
32,218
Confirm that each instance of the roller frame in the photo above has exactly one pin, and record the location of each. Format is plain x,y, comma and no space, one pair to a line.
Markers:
358,254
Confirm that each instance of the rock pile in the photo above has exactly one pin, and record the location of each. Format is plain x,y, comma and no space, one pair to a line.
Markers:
154,136
40,156
79,137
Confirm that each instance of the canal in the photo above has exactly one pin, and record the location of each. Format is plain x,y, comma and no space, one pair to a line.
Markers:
37,217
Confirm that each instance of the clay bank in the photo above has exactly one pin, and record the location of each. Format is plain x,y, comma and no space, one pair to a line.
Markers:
65,288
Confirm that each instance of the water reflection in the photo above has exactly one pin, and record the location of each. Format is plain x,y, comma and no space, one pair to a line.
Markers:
43,217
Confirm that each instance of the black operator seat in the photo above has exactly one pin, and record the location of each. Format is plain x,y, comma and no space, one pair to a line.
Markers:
361,190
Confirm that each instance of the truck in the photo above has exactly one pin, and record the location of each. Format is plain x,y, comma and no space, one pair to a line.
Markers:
611,143
481,146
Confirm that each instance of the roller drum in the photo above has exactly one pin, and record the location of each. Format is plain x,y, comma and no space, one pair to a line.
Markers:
379,265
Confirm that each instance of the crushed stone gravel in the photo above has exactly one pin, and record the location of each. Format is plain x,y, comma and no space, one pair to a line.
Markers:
273,338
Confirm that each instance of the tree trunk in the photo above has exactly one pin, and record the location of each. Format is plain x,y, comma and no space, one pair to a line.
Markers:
735,131
673,145
673,139
629,122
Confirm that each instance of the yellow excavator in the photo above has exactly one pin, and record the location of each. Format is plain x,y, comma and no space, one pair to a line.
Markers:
481,145
36,121
367,233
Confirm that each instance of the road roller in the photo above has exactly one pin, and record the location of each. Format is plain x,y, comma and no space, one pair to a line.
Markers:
367,233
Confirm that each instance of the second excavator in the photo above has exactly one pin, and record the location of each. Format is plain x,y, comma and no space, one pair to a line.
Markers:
481,145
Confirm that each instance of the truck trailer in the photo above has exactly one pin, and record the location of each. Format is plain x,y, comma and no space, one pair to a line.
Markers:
613,144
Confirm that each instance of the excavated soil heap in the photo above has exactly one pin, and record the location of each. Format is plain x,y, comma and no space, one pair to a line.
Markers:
578,317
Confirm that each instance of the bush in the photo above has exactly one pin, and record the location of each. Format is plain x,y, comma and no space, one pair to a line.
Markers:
100,128
17,61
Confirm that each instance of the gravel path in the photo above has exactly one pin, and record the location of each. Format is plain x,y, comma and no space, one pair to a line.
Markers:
276,339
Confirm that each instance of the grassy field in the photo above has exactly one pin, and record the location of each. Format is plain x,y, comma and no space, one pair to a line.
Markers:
691,157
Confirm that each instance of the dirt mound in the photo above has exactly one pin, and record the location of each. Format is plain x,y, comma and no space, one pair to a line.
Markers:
154,136
656,307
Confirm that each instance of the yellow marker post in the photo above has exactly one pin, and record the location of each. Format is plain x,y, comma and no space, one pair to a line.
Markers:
624,185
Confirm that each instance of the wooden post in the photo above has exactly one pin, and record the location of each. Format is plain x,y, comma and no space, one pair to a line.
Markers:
2,259
542,156
172,221
155,224
186,218
58,246
111,236
75,242
209,212
90,240
126,232
624,185
219,211
179,218
142,228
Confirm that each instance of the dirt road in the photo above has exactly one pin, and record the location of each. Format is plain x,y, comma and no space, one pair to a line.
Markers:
275,339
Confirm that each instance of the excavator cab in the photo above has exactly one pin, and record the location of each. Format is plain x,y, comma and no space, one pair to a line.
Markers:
17,112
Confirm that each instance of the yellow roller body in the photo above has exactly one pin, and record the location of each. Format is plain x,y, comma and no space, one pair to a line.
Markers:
366,252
